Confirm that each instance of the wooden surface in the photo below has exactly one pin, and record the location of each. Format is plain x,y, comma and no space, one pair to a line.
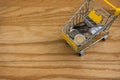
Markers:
31,47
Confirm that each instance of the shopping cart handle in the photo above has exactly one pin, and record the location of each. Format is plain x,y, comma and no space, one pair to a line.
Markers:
117,10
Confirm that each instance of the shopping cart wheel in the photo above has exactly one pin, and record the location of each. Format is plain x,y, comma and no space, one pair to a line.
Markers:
105,37
81,52
67,44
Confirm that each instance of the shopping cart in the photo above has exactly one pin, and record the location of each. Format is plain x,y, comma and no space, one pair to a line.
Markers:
89,25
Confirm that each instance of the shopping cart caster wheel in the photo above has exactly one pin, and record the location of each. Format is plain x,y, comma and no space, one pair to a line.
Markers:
67,44
105,37
81,53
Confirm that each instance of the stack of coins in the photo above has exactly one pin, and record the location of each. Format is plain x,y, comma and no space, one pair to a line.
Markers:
73,33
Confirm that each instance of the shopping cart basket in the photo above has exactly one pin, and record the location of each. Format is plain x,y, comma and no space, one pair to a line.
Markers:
89,25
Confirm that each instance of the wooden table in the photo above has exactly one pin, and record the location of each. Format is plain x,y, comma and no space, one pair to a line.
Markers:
31,47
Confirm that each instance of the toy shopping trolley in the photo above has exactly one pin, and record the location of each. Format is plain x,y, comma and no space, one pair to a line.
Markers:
88,25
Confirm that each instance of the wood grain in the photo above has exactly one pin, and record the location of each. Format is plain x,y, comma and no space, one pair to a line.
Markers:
31,47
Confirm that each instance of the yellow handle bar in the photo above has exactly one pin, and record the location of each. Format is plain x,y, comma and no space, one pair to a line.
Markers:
117,10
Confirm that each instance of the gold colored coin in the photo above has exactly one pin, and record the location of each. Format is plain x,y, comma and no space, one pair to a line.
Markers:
79,38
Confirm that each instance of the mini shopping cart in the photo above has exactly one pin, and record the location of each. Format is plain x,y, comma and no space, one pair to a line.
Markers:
89,25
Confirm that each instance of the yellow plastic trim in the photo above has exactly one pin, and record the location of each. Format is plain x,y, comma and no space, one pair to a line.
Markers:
96,18
117,10
72,44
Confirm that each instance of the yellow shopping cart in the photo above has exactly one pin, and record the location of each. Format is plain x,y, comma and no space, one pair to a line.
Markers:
88,25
